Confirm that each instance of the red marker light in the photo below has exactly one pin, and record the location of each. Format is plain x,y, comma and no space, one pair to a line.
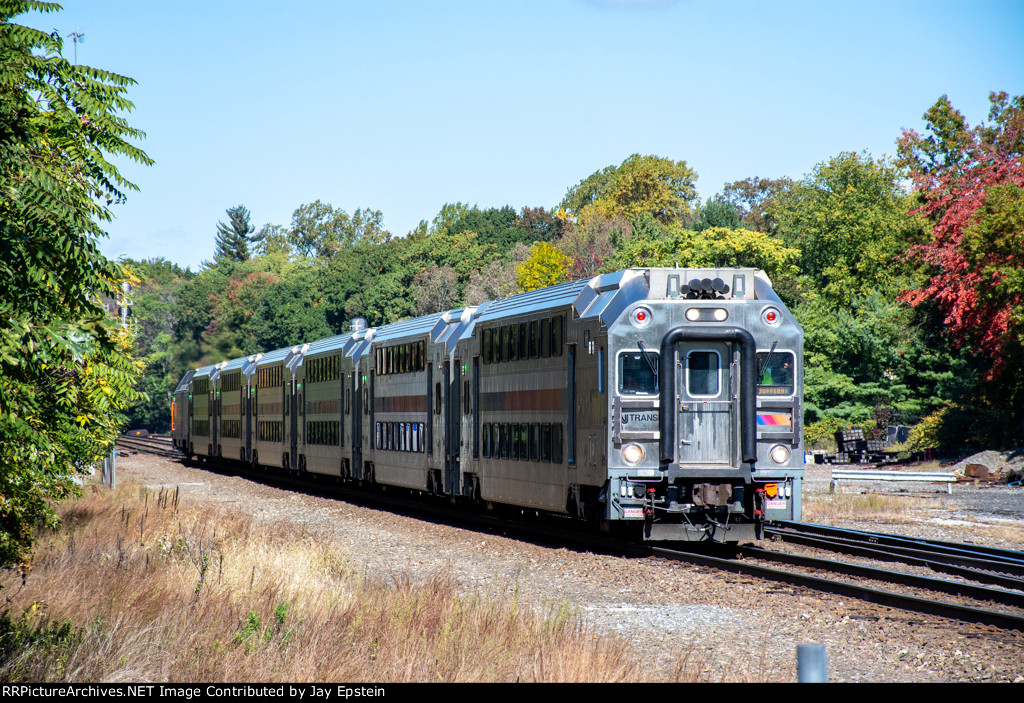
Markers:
641,317
770,316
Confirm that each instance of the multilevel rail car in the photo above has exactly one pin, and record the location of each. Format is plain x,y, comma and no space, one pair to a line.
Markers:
662,403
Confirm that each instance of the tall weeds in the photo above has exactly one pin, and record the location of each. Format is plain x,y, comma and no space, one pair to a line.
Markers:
140,586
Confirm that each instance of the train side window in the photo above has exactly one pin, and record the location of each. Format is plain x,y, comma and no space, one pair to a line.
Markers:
513,343
703,373
638,373
556,443
545,337
504,441
524,342
486,431
534,342
777,377
556,335
545,442
437,398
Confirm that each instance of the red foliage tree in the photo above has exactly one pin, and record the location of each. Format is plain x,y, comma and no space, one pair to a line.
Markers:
971,186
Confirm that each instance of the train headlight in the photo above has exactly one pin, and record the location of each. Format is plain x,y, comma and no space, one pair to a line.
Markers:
720,314
633,454
693,314
779,454
641,317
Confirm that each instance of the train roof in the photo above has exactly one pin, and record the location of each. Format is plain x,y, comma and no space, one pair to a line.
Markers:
241,362
271,357
533,301
205,371
412,327
323,346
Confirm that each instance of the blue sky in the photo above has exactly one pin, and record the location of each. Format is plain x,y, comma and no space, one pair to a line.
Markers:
403,106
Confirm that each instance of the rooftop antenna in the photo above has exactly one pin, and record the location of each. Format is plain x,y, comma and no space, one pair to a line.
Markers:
78,38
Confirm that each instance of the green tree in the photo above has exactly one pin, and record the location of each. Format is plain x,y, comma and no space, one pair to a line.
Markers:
660,187
153,310
754,198
850,220
65,370
718,213
233,237
320,230
715,247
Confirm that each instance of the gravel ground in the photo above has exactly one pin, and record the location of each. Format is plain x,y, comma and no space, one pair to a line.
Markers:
727,627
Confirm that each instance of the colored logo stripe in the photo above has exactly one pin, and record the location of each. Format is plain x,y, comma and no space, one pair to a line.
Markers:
774,419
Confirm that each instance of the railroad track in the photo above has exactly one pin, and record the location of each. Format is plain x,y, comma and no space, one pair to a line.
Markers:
1001,606
160,445
999,567
920,598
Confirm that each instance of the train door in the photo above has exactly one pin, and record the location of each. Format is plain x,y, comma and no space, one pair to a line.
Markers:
188,421
452,426
215,424
248,401
570,424
705,376
356,410
432,414
293,427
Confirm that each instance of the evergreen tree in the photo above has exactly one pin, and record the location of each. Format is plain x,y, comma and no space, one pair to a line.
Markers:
233,238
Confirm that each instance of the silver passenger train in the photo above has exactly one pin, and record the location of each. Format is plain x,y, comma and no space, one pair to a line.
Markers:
662,404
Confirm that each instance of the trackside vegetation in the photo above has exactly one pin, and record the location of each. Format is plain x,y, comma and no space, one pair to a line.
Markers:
139,585
66,371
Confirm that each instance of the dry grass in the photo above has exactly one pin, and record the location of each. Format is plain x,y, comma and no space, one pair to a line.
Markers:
880,506
139,587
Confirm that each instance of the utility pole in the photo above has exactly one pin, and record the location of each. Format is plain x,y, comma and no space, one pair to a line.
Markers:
77,36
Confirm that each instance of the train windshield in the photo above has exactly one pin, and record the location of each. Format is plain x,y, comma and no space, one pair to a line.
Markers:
776,377
638,373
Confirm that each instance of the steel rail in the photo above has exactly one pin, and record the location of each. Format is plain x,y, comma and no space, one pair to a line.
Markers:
1007,555
956,588
916,604
941,557
158,448
882,554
